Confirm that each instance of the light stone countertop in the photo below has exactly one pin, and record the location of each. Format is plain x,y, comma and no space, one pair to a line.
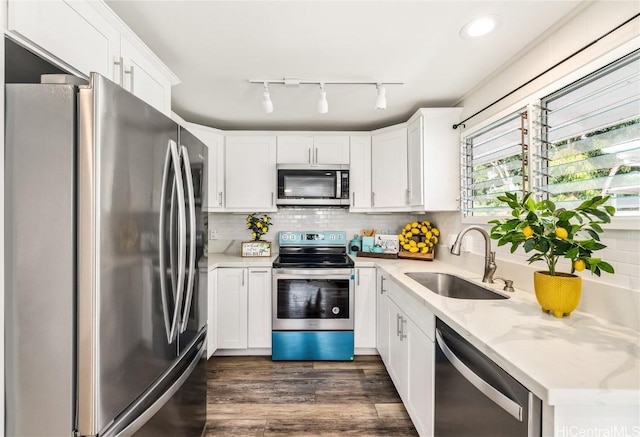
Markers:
576,360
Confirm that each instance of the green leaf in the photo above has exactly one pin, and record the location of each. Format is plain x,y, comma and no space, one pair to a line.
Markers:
593,234
529,245
572,253
606,267
566,215
596,227
610,209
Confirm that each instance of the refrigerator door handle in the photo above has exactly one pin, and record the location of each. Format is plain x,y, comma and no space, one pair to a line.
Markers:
184,153
182,243
161,229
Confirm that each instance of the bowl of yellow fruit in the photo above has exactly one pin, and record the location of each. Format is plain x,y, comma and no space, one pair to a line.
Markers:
418,240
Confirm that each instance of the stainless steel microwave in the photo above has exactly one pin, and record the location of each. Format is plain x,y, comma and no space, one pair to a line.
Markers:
313,185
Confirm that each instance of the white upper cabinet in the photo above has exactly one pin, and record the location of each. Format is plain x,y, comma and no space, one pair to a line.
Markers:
434,160
214,172
360,174
331,150
250,173
142,79
308,149
389,185
71,34
84,36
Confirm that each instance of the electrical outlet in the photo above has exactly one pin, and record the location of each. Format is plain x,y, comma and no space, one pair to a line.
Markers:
213,234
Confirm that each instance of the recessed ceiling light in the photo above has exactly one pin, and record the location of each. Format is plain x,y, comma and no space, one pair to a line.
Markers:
480,26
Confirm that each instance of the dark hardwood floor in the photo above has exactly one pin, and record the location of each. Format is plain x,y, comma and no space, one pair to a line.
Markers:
257,397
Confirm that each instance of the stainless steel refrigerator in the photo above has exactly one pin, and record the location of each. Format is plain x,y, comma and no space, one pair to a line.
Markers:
106,284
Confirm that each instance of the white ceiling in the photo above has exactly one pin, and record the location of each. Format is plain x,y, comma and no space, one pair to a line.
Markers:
214,47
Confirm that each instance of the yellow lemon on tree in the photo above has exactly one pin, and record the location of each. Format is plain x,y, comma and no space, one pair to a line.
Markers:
561,233
579,265
528,232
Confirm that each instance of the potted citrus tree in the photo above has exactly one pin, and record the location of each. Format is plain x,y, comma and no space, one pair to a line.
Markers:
552,234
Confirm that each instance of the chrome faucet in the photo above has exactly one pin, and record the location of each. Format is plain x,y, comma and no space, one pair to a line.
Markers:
489,256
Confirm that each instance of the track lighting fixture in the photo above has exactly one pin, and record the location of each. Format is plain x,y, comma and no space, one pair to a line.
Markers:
323,104
267,104
381,100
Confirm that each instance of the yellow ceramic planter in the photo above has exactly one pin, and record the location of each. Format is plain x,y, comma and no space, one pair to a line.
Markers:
559,294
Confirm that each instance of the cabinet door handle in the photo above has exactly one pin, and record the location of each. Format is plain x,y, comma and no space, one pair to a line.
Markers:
120,63
382,279
353,199
242,283
408,196
373,198
272,198
130,73
309,155
259,271
398,325
403,322
357,277
316,158
220,198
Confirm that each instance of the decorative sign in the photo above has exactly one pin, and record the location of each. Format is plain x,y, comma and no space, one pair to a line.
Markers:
388,242
256,248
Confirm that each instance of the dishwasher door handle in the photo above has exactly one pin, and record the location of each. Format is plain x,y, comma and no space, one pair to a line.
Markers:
487,389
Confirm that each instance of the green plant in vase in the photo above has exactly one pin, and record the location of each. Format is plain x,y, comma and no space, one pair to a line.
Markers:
551,234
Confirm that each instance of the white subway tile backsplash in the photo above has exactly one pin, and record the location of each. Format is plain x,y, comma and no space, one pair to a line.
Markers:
233,227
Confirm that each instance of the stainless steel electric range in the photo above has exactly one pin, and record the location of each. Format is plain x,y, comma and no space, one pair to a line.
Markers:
313,297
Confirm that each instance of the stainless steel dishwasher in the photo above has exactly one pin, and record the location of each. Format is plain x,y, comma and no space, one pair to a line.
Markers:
474,397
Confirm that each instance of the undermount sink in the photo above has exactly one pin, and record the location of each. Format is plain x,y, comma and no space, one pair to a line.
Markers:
453,286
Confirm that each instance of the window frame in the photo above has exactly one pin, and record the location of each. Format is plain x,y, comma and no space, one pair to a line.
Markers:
532,104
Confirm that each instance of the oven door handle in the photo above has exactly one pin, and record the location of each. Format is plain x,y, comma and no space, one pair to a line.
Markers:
320,272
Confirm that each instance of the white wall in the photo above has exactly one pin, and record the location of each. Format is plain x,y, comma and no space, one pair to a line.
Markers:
614,297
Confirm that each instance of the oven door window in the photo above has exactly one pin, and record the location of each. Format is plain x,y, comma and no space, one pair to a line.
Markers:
313,299
307,184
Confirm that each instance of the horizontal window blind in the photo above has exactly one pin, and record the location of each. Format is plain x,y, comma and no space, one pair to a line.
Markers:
494,160
590,134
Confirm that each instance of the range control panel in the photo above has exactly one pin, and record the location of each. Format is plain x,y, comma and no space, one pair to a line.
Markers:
312,238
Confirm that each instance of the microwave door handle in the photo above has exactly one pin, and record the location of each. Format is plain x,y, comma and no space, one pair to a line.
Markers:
161,243
192,237
338,185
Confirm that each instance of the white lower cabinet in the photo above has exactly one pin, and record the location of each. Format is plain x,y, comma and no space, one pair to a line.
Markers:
365,308
212,316
259,308
232,308
382,309
411,353
243,308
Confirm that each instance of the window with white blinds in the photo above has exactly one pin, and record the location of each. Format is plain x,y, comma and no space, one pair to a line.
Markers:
494,160
591,139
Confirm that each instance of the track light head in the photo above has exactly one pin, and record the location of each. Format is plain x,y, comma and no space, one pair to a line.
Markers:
381,100
267,104
323,104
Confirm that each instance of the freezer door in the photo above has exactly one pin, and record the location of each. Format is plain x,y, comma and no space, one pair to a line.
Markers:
124,314
193,315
